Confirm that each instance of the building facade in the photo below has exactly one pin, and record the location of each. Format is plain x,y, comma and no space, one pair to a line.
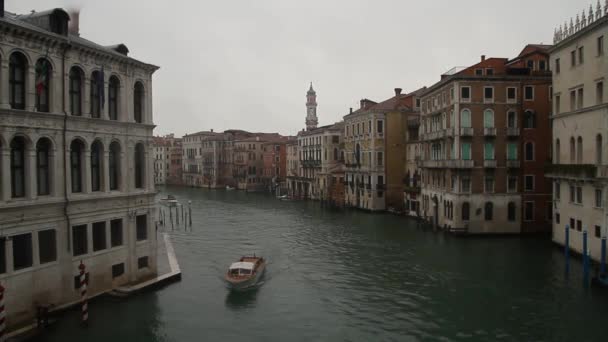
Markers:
275,165
174,173
76,164
579,171
485,131
161,160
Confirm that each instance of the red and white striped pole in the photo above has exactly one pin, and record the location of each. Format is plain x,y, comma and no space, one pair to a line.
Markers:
2,314
83,293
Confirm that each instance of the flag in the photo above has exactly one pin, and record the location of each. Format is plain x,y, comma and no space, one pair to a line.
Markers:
101,95
42,72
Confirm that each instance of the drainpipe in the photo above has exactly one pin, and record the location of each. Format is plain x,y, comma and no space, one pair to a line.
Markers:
66,201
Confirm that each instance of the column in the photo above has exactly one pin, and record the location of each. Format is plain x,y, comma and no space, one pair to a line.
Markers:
56,91
30,89
86,180
31,184
4,101
125,96
105,110
105,169
86,98
124,170
5,163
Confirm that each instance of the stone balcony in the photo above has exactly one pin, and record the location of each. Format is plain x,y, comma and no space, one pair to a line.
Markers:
512,131
449,163
489,131
489,163
575,171
513,164
466,131
461,164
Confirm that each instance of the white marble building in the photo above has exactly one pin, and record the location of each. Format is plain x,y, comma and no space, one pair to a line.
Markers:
75,164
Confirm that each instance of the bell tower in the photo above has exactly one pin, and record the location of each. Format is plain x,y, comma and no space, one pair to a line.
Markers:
311,109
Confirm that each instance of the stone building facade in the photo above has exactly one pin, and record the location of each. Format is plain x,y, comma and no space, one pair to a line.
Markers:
76,164
160,151
580,130
485,136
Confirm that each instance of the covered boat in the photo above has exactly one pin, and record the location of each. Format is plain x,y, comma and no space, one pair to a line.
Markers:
245,273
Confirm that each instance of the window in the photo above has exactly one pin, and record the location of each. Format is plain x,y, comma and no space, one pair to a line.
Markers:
557,66
43,82
118,270
96,154
489,184
598,149
142,262
579,225
114,165
572,99
335,154
380,159
22,251
465,118
489,72
465,211
542,65
558,190
96,93
18,167
572,194
529,119
99,236
76,155
138,102
465,184
600,45
417,103
528,211
16,74
573,58
79,240
579,195
76,91
142,227
465,94
511,212
512,184
113,88
598,231
529,151
511,94
598,198
529,93
380,126
572,150
530,64
572,223
511,119
488,211
139,166
579,150
529,183
47,246
488,94
581,55
116,232
579,102
466,150
488,118
478,72
488,151
599,93
43,148
557,218
557,104
2,255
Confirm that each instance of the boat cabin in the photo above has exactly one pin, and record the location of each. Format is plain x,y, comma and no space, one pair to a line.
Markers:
242,268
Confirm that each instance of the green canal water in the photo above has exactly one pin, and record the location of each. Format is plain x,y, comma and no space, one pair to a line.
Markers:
348,276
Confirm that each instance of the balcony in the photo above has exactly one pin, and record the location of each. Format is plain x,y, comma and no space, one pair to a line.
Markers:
449,132
512,131
466,131
380,187
573,171
489,163
433,163
311,163
413,122
461,164
513,164
489,131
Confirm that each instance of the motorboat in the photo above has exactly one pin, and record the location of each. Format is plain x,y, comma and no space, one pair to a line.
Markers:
170,200
245,273
229,188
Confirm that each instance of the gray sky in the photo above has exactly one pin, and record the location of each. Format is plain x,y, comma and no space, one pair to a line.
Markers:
247,64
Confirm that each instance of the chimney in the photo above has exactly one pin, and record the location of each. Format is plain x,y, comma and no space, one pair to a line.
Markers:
362,102
1,8
483,58
74,24
397,91
351,110
212,130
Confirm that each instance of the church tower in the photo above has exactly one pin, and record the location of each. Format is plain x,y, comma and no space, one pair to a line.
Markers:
311,109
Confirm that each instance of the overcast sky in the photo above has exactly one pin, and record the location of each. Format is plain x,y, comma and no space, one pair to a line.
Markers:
248,64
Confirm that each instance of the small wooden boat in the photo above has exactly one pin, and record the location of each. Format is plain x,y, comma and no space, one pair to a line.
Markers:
245,273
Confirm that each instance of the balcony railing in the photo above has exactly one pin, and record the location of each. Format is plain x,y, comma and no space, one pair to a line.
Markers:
466,131
489,131
577,171
512,131
433,163
380,187
514,164
489,163
461,164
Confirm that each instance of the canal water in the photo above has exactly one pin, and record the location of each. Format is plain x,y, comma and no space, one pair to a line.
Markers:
348,276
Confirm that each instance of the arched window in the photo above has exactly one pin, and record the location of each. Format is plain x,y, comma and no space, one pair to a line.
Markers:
76,157
76,79
529,119
529,151
96,153
511,212
18,167
465,211
358,154
489,211
579,150
43,152
572,150
16,80
488,118
598,149
465,118
113,97
43,84
139,166
557,151
335,153
114,165
138,102
96,93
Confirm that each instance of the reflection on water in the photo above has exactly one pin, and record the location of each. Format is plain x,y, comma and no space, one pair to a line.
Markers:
348,275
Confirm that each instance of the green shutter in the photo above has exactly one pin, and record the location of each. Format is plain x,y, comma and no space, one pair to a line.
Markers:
465,118
488,119
512,151
466,151
488,151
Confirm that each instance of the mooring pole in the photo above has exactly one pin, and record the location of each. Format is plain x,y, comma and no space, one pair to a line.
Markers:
190,213
567,249
2,314
171,217
83,294
603,261
585,259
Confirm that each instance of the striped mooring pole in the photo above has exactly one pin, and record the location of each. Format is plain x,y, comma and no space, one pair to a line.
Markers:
567,249
2,314
585,259
83,294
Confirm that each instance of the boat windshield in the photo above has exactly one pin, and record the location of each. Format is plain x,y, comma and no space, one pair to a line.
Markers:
244,271
239,271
